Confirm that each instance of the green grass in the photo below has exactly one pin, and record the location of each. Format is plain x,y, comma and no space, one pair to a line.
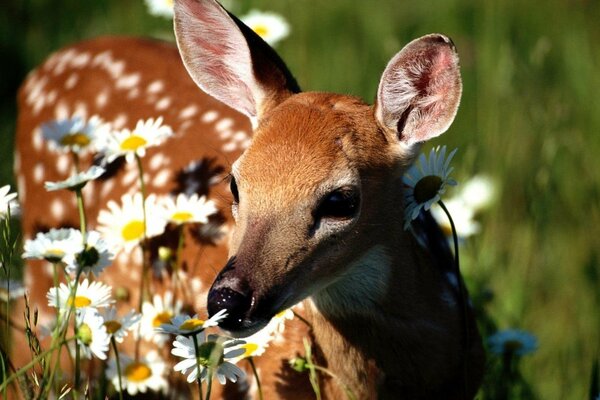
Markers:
529,118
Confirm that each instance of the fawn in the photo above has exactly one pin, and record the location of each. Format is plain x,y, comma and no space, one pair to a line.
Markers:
317,200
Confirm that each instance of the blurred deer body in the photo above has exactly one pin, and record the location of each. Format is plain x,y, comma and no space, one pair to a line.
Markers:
317,217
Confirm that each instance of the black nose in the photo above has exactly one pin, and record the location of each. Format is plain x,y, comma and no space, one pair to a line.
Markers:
237,305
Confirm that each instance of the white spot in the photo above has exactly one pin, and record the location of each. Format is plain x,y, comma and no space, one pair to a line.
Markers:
81,110
229,147
38,173
105,60
120,121
183,127
130,176
88,193
102,98
71,81
156,161
36,139
48,271
246,143
223,124
210,116
122,259
163,103
136,258
81,60
188,112
22,188
128,81
107,186
155,86
62,164
240,136
57,209
161,178
224,135
51,97
196,284
61,111
133,93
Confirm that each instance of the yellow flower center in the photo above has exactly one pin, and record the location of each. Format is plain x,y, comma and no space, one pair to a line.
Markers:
181,216
191,324
261,30
137,372
133,230
250,349
132,143
79,301
427,188
75,139
112,326
54,255
162,318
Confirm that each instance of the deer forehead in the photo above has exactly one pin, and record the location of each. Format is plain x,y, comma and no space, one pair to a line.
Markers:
309,142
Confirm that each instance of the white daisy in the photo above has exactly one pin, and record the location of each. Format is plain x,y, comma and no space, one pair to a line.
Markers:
462,215
8,200
160,8
213,354
75,134
119,326
96,256
92,336
128,143
139,376
123,226
271,27
186,325
478,192
160,311
512,341
57,245
88,295
76,181
187,209
426,181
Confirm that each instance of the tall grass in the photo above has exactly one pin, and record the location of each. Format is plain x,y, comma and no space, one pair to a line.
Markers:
529,118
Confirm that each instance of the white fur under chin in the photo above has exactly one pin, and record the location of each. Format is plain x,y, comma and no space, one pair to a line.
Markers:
360,289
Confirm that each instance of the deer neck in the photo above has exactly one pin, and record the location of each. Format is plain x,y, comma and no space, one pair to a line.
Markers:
370,324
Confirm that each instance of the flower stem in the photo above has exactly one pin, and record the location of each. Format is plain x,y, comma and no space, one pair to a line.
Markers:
462,299
209,377
197,352
255,372
114,346
34,361
143,247
81,208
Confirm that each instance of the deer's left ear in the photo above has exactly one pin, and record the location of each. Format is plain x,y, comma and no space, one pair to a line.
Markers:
420,90
228,60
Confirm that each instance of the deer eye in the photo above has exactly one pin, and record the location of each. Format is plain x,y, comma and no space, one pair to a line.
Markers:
342,203
234,190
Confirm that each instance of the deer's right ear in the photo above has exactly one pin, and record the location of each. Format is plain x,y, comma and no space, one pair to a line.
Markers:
228,60
420,90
